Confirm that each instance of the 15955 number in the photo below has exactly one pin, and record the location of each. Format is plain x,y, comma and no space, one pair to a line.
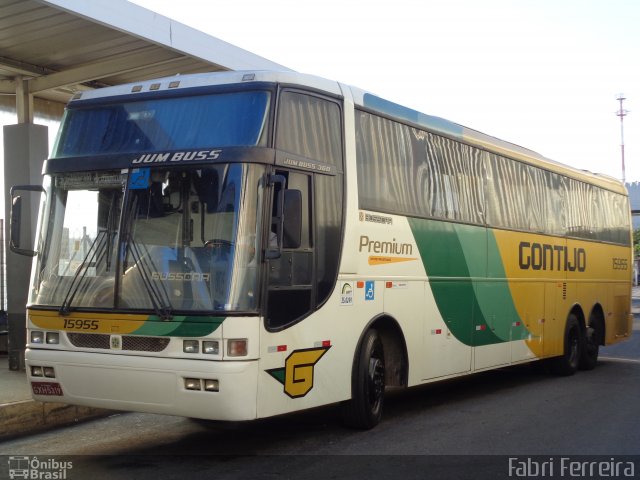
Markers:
79,324
620,264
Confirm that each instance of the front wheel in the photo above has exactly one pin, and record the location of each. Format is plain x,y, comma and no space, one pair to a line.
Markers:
364,410
568,363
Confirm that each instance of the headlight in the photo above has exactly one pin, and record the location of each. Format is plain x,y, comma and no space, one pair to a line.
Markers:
211,347
36,371
37,336
53,338
190,346
211,385
192,384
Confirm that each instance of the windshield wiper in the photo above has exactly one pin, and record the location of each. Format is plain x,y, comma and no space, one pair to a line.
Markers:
158,295
97,248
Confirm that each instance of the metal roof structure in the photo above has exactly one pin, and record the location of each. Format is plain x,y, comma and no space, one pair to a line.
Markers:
52,49
60,47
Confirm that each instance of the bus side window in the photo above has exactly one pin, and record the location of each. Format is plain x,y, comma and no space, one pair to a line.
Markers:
309,131
310,126
328,233
290,294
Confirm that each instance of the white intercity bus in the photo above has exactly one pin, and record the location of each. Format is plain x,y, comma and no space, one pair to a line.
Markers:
240,245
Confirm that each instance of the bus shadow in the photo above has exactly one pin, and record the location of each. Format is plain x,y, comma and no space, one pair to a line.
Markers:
300,433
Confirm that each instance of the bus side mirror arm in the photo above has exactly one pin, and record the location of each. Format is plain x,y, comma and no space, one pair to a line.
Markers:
292,227
15,219
287,219
274,245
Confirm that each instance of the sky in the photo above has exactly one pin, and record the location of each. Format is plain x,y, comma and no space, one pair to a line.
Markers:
543,74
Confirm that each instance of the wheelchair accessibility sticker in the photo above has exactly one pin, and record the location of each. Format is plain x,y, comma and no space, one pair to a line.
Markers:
369,290
139,178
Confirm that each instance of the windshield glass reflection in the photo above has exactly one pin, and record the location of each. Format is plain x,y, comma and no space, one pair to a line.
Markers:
185,241
78,264
191,242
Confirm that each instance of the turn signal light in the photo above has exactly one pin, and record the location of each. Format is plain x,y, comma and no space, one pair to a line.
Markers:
238,347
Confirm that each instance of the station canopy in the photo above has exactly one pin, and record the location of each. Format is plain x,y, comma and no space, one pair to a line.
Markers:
52,49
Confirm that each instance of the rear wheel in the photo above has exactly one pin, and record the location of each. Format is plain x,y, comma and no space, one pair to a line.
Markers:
568,363
592,342
364,410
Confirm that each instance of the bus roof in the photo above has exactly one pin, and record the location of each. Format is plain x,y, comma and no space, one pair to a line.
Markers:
365,100
195,80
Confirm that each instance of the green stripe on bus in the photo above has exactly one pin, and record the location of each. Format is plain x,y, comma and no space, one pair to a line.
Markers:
468,282
180,326
499,300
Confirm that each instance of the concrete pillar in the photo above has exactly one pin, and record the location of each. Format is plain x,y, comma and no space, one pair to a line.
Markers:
24,101
25,148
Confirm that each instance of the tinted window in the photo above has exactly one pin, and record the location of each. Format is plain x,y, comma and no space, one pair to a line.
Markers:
411,172
309,126
328,193
204,121
408,171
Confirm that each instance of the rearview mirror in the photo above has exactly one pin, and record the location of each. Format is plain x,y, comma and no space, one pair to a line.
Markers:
15,221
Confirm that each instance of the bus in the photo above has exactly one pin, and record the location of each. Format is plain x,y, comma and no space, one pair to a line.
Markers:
239,245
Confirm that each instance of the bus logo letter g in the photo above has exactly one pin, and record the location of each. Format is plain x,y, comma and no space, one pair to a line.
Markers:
297,374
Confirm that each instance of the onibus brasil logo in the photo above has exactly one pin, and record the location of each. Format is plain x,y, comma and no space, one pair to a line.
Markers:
297,374
35,468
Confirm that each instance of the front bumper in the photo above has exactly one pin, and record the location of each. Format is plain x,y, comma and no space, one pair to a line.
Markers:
148,384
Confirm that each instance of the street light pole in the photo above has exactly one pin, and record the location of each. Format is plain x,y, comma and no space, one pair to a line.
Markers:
622,113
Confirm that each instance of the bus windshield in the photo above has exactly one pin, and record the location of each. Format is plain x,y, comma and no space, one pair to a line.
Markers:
156,240
236,119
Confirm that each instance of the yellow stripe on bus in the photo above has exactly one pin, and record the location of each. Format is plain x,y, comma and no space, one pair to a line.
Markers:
87,322
376,260
548,276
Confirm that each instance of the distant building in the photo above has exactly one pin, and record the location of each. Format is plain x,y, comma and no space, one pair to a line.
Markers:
634,197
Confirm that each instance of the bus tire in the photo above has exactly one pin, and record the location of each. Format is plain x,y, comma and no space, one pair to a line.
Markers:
364,410
592,342
568,363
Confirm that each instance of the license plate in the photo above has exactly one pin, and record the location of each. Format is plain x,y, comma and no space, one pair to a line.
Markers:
46,388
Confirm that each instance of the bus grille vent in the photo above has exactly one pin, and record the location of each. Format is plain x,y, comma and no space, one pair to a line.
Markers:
129,342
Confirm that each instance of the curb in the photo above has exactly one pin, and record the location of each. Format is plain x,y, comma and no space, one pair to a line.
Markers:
28,416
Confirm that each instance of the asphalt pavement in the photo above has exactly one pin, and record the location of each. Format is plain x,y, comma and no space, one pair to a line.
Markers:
21,415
